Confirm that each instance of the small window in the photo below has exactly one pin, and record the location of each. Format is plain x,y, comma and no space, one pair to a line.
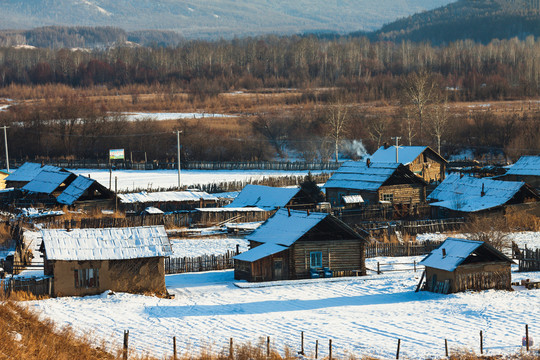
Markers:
315,259
388,197
86,278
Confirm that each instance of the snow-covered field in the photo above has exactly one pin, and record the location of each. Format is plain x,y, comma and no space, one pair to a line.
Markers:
194,247
362,316
173,116
128,180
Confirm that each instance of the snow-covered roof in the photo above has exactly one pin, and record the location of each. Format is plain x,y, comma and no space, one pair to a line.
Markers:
283,229
260,252
166,196
227,195
228,209
47,181
526,165
406,154
358,176
264,197
152,211
75,190
352,199
457,250
28,171
106,244
465,193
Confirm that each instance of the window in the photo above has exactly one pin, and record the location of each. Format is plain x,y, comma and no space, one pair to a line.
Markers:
86,278
315,259
388,197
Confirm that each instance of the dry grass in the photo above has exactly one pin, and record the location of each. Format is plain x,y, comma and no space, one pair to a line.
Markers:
5,235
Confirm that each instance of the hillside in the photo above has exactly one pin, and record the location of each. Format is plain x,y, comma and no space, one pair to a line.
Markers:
479,20
213,18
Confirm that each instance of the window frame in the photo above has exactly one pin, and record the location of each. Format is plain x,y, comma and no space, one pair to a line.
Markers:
317,255
86,278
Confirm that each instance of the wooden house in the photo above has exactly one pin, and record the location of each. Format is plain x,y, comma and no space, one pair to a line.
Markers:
390,183
295,244
462,195
87,194
47,186
271,198
26,173
526,169
91,261
167,201
423,161
3,176
460,265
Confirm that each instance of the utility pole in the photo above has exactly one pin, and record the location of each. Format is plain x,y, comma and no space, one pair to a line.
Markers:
5,141
178,148
397,147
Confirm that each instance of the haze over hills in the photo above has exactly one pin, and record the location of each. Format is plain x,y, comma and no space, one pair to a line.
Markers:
213,18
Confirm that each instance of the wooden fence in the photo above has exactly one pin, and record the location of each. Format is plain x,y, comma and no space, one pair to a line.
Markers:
200,263
406,249
529,260
34,286
415,227
169,220
382,213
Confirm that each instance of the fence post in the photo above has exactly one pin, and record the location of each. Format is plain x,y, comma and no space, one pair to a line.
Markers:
316,348
302,344
378,268
268,346
398,345
174,347
231,350
446,347
481,342
330,350
125,351
527,335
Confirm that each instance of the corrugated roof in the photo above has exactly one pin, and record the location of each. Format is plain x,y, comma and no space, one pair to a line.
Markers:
283,229
28,171
260,252
47,181
106,244
526,165
227,209
358,176
264,197
352,199
166,196
457,250
406,154
465,193
75,190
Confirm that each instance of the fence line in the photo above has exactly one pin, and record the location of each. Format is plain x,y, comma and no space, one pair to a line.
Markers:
529,260
415,227
200,263
406,249
169,220
34,286
382,213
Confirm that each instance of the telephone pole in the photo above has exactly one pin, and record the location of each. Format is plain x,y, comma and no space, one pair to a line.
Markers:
5,141
397,138
178,148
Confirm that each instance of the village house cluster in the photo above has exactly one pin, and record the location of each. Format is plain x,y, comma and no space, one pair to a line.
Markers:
301,237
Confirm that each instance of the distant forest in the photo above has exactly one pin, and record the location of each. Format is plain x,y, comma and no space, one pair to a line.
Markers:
369,70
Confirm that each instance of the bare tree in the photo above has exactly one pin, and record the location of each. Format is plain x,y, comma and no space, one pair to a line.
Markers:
419,91
409,126
337,121
438,121
377,130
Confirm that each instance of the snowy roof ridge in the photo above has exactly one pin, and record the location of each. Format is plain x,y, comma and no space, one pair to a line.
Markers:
28,171
526,165
106,244
75,190
358,175
264,197
406,154
470,194
165,196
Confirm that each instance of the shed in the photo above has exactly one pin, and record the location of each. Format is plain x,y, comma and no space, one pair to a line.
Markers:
375,183
26,173
295,244
459,265
460,195
421,160
167,200
90,261
526,169
271,198
86,193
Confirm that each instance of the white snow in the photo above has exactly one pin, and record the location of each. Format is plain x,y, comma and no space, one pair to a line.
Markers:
4,107
191,247
173,116
362,315
129,180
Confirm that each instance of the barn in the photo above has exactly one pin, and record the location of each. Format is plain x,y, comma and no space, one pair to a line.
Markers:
460,265
91,261
390,183
296,244
423,161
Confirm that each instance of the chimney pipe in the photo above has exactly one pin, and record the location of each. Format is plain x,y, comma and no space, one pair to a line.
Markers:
397,156
443,252
368,162
289,211
482,193
307,212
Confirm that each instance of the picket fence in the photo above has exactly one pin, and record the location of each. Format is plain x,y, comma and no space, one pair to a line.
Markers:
35,286
406,249
201,263
529,260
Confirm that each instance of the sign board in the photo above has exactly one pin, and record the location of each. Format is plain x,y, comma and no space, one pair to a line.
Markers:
116,154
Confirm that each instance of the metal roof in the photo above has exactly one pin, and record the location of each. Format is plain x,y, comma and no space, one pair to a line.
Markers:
166,196
358,176
47,181
75,190
260,252
457,250
28,171
406,154
106,244
526,165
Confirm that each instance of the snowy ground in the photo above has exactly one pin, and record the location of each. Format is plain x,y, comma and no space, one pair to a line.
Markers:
130,180
194,247
363,315
173,116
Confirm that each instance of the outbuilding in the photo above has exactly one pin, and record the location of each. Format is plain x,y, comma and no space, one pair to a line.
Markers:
460,264
91,261
295,244
526,169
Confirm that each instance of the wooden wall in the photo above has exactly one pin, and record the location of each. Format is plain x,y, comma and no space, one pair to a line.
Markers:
428,167
404,194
